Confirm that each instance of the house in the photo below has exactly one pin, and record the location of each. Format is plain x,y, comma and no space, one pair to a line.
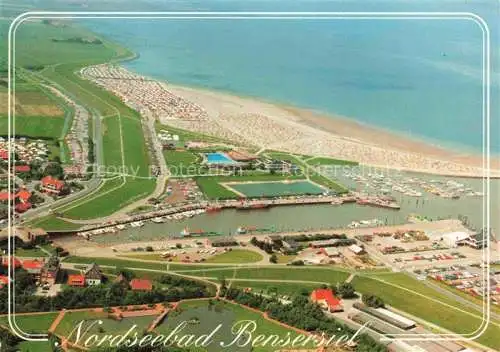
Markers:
50,271
141,285
52,185
330,252
356,249
327,300
290,245
22,207
23,195
22,168
14,262
224,242
76,280
4,280
93,275
6,196
4,154
33,267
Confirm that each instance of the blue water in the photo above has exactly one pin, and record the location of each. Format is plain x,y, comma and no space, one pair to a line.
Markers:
420,77
218,158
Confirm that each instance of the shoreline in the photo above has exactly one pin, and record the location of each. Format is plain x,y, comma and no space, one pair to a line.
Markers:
267,125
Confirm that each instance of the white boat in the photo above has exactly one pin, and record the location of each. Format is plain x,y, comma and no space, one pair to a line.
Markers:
121,227
158,220
137,223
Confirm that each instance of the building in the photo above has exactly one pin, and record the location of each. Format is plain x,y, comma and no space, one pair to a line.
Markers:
51,185
25,234
22,168
331,252
76,280
327,300
4,280
93,275
23,195
224,242
478,240
14,262
22,207
33,267
141,285
50,271
290,245
337,242
356,249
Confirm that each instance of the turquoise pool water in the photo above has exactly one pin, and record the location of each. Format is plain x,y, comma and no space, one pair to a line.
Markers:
219,158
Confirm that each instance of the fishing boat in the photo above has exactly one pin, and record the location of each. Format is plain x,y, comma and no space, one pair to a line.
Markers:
158,220
137,223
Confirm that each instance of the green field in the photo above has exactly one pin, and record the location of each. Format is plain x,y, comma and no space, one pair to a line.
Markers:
239,256
124,149
211,187
109,326
34,126
182,162
36,323
453,317
320,161
276,189
52,223
281,288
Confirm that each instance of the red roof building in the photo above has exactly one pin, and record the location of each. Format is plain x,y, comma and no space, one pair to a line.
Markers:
141,285
22,207
22,168
33,266
326,299
5,196
76,280
4,280
4,154
14,262
52,185
23,195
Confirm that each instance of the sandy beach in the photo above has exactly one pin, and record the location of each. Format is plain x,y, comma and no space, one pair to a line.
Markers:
265,125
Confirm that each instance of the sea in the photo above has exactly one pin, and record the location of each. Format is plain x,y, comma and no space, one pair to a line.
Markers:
422,78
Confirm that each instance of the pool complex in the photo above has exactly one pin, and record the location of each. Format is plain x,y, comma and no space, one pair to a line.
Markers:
276,189
219,158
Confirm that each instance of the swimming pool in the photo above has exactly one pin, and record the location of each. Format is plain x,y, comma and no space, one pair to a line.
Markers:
219,158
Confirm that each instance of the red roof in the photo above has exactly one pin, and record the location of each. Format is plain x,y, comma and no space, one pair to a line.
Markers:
15,263
4,154
323,294
4,280
32,265
22,207
76,280
141,285
24,195
22,168
5,196
51,181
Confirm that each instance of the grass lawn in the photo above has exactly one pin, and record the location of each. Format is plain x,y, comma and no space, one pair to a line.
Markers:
424,308
236,256
109,326
124,263
187,136
34,346
320,161
211,187
284,259
182,162
319,275
34,126
281,288
36,323
52,223
276,189
35,252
